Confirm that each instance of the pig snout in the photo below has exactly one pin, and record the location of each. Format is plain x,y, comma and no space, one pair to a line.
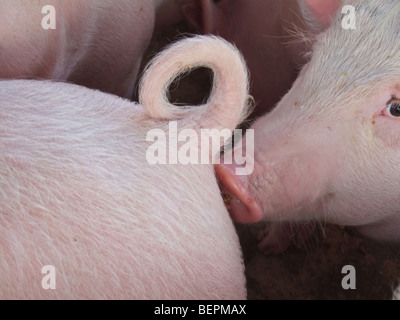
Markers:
240,203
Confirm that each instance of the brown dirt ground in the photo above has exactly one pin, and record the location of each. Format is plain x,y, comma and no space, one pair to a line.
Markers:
313,272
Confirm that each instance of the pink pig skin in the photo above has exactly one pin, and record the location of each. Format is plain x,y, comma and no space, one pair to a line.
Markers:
97,43
77,191
330,150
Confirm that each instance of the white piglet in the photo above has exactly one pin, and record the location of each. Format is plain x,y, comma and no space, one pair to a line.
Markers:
78,194
330,150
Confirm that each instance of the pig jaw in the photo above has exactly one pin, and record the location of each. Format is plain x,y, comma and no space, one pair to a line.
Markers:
385,230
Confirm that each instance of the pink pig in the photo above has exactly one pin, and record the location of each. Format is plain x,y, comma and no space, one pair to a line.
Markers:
78,194
330,150
95,43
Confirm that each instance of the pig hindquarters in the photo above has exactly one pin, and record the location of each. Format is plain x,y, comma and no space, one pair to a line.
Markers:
330,150
77,192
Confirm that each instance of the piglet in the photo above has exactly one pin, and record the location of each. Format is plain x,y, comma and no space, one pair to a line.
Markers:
330,150
83,212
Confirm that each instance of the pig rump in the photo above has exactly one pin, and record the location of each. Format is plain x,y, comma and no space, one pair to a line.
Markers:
77,194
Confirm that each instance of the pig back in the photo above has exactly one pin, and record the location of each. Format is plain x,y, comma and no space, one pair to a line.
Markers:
95,43
77,193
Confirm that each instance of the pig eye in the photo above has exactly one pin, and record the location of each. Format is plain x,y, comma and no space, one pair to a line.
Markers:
393,108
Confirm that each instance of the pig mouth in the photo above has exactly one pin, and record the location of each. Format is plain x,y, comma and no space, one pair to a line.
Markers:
241,205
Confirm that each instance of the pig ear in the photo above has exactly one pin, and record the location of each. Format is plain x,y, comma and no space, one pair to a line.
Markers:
319,11
206,16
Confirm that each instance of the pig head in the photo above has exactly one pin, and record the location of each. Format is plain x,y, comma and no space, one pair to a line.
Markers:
330,150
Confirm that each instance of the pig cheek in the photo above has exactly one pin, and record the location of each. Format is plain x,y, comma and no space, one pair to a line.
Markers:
290,189
387,130
266,188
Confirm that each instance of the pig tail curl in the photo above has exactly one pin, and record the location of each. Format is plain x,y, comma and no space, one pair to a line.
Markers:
228,103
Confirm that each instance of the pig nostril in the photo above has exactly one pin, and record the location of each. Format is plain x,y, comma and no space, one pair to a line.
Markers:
192,89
